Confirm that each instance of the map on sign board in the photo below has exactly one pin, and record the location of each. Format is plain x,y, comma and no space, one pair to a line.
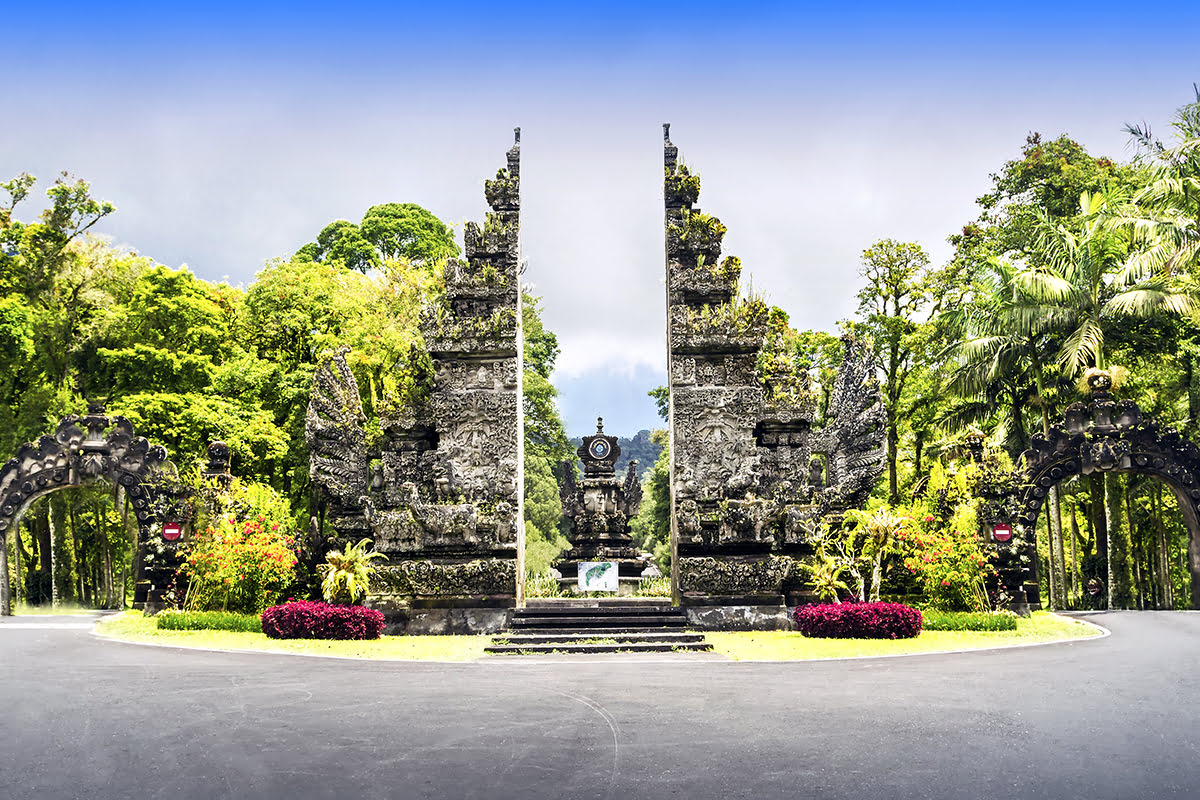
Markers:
597,576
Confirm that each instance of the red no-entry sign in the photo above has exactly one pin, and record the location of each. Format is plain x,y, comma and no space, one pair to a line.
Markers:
172,531
1002,532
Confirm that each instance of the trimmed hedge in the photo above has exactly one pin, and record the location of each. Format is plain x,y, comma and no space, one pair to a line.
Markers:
208,621
858,621
970,621
304,619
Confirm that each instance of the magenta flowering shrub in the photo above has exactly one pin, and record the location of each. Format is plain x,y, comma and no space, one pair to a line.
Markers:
858,621
304,619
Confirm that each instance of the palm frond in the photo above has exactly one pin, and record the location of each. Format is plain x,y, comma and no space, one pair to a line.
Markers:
1082,347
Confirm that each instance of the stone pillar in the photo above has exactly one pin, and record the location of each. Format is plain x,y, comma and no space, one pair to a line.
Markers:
5,588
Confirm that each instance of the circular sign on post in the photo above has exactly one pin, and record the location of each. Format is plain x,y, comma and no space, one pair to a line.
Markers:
1001,532
172,531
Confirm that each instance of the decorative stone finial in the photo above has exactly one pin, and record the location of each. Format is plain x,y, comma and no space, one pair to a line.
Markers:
219,458
973,440
666,131
1099,381
96,408
599,424
516,135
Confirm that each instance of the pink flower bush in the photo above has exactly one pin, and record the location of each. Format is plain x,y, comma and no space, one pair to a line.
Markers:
858,621
304,619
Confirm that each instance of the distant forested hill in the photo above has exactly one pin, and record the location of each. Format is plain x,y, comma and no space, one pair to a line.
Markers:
639,447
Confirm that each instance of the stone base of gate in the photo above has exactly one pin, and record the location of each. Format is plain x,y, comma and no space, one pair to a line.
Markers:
434,616
751,612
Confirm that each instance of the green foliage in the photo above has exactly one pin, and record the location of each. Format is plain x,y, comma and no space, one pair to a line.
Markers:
653,587
860,549
545,436
346,573
390,231
239,565
682,184
891,305
651,527
944,551
542,507
541,553
208,621
408,231
541,583
969,620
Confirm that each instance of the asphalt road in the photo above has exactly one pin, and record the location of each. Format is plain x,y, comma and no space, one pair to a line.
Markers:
81,717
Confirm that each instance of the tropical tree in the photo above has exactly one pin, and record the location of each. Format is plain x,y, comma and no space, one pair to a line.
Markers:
890,305
1088,274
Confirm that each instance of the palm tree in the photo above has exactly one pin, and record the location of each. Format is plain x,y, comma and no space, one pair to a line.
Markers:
1165,214
1163,218
1090,275
1091,278
1006,343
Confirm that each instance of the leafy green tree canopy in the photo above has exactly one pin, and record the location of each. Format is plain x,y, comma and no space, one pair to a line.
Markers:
403,231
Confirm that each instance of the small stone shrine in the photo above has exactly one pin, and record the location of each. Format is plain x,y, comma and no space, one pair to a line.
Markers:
753,467
437,487
600,507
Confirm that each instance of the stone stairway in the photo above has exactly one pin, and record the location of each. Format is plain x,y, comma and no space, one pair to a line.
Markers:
597,626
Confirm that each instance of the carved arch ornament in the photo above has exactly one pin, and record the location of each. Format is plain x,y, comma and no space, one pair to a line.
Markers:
90,449
1106,435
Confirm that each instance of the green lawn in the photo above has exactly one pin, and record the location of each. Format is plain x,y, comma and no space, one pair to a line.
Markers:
789,646
132,626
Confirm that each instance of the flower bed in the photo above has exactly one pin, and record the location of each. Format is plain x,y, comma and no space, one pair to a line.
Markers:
858,621
309,620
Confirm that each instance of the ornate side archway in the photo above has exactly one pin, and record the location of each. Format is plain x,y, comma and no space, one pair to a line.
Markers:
94,448
1107,435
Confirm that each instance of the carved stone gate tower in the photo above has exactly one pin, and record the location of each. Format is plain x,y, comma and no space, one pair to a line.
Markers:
753,468
438,487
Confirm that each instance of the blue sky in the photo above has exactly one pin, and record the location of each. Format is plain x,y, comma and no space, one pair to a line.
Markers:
229,134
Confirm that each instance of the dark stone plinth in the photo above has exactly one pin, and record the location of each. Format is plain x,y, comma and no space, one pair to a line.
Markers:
736,612
475,620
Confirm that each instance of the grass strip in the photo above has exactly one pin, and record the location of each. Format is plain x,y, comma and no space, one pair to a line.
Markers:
208,621
133,626
969,621
792,646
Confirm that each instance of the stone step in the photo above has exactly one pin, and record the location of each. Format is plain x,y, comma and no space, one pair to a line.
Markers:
609,621
580,648
591,636
583,611
564,630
